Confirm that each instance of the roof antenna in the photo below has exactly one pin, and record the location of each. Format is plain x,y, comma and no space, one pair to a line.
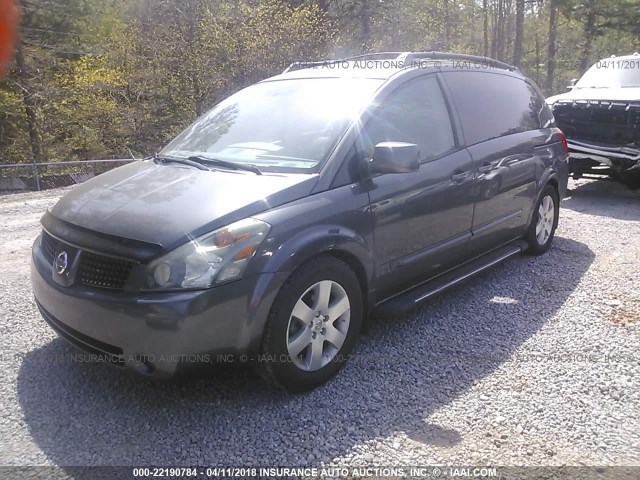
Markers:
406,58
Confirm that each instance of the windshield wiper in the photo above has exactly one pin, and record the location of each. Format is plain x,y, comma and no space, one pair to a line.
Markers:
184,161
225,164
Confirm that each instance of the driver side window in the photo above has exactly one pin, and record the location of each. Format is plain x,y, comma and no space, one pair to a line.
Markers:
415,113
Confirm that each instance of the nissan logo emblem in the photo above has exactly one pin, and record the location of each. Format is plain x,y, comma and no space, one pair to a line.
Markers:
61,262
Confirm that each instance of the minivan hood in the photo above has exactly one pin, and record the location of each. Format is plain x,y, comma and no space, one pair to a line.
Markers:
167,204
616,94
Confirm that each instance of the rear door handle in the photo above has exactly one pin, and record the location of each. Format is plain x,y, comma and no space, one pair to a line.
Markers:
485,168
460,177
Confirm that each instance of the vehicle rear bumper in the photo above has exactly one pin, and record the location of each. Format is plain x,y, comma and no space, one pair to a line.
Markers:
157,334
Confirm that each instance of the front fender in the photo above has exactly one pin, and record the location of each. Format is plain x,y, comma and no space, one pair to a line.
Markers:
321,239
336,222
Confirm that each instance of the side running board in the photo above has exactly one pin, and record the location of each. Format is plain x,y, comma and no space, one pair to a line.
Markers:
407,301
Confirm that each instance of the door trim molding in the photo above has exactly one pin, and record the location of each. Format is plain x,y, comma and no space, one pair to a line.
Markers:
493,223
430,250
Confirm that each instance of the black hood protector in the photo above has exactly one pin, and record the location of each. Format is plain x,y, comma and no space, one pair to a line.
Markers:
168,204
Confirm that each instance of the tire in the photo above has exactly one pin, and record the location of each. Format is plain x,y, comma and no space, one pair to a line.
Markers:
304,347
540,240
632,179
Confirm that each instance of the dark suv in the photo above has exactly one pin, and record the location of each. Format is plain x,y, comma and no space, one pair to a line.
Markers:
273,226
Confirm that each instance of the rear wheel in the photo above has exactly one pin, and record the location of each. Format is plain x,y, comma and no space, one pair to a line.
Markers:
544,222
313,324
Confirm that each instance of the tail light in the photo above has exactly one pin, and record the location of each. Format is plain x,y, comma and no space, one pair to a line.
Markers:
565,144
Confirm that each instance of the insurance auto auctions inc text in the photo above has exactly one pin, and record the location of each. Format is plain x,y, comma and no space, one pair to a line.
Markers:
377,472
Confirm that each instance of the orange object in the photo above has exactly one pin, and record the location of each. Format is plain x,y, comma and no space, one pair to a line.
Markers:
8,31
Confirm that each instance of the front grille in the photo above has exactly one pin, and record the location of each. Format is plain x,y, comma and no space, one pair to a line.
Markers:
49,245
106,272
602,122
93,270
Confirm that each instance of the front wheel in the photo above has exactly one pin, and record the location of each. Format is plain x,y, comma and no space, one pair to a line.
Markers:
313,324
544,222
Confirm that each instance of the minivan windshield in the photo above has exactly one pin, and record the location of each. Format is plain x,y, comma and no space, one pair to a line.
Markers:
612,73
283,125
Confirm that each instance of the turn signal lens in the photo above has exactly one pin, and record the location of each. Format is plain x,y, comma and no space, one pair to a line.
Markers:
246,252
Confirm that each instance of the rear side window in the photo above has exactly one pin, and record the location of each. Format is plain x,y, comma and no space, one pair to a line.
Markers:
415,113
492,105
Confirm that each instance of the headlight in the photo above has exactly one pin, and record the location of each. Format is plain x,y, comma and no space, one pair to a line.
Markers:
216,257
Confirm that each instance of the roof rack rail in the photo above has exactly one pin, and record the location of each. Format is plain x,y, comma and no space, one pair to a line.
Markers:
408,58
302,64
413,56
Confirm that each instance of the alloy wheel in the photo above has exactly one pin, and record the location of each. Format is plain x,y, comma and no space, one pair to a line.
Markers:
318,325
546,217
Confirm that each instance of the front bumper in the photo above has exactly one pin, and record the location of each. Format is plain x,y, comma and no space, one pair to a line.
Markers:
605,154
157,334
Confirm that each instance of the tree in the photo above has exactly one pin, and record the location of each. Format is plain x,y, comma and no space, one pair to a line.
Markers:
551,52
597,17
519,39
8,31
485,16
49,37
30,104
93,79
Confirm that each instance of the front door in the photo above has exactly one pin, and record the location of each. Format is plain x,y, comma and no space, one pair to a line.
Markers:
422,220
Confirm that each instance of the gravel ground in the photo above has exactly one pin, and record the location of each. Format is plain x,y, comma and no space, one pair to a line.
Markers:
535,362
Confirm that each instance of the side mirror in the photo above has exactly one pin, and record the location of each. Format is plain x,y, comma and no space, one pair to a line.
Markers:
395,157
572,83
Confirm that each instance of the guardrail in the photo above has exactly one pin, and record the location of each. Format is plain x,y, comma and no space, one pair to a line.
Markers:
39,165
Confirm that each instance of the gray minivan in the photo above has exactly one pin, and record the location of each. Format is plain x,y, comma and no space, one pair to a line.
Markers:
272,227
